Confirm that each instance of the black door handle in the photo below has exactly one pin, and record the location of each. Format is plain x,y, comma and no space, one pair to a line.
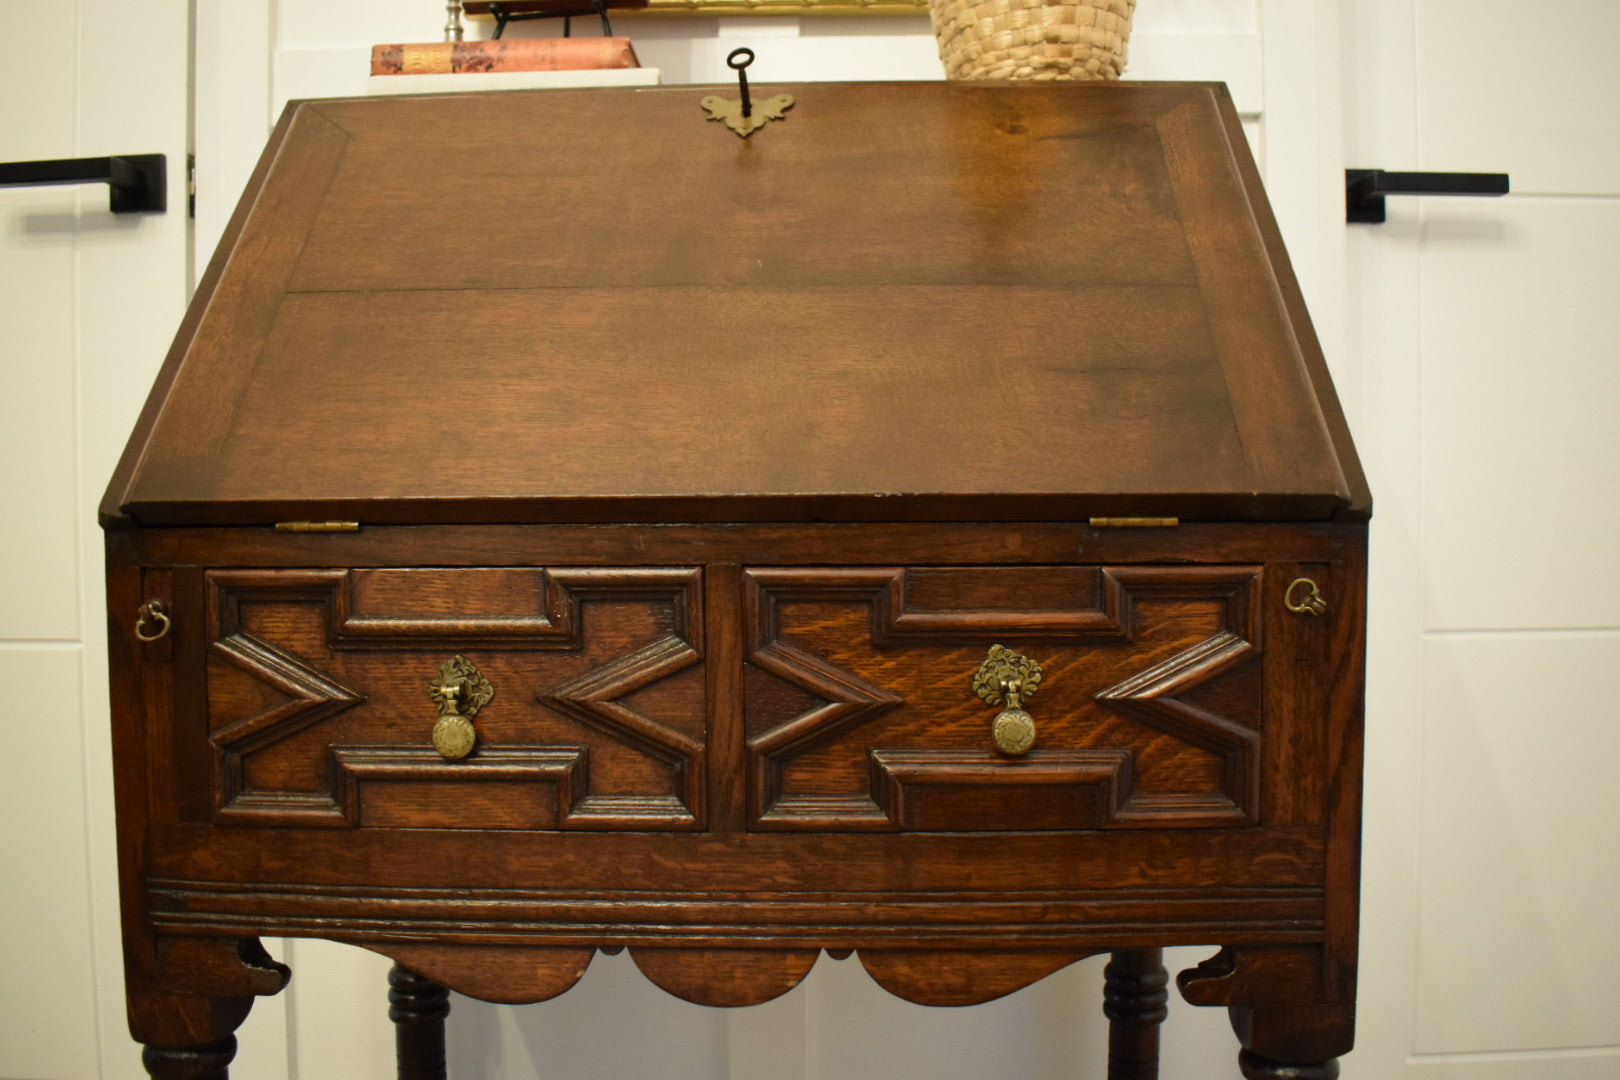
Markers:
1364,189
136,182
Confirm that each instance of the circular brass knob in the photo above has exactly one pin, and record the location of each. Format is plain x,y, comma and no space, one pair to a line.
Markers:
454,737
1013,731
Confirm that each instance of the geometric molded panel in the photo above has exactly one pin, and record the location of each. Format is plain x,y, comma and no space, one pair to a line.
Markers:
311,697
881,730
320,712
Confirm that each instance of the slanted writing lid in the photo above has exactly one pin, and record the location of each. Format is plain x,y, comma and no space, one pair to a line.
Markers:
921,301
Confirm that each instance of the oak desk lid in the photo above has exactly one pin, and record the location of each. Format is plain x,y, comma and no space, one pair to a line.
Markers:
921,301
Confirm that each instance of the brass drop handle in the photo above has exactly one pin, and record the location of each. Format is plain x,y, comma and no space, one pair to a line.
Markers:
459,691
1307,601
1009,678
152,621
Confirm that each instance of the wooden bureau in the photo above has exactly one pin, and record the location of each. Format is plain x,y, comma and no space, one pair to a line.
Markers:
924,528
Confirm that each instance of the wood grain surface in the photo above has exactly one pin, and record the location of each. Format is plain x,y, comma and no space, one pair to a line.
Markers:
903,303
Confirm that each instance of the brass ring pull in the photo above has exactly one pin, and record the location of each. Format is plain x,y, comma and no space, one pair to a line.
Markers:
1311,604
153,612
459,692
1009,678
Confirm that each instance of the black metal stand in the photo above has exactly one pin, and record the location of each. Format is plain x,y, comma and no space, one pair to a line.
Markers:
596,7
136,182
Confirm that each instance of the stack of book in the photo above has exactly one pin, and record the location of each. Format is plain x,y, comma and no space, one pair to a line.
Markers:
508,64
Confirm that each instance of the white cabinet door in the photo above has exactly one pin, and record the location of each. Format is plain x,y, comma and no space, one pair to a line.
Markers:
89,301
1483,338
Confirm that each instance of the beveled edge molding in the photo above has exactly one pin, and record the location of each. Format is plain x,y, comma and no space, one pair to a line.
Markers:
1044,921
556,626
592,699
1098,783
563,769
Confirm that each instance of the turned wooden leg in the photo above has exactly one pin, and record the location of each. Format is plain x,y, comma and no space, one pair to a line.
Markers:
208,1062
1134,998
417,1006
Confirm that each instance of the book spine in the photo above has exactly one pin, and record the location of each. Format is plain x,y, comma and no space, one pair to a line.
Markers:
521,54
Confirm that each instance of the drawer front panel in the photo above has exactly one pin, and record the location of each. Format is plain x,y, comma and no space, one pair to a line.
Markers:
320,710
861,713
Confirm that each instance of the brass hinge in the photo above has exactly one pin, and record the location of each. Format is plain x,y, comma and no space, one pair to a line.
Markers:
1134,522
317,526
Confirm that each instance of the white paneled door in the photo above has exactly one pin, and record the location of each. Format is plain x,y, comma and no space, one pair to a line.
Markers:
1482,384
88,302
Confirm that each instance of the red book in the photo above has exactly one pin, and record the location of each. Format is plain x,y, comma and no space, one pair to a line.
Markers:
519,54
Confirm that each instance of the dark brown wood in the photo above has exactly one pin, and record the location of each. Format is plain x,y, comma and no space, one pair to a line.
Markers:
1134,999
1288,1005
417,1006
186,1036
953,977
725,977
1098,245
509,975
727,486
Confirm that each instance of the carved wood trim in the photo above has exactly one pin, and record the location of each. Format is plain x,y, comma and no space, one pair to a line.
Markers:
313,697
219,966
950,977
948,920
508,975
593,699
727,978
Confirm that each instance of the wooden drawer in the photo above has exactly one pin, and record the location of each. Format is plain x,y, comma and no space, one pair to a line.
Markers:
858,702
861,713
319,709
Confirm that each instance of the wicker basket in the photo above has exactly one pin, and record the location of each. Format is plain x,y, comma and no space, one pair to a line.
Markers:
1033,39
